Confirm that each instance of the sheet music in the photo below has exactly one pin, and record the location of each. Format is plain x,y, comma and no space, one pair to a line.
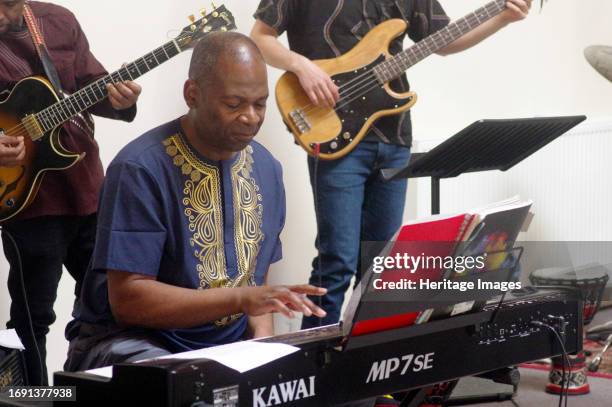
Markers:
9,339
240,356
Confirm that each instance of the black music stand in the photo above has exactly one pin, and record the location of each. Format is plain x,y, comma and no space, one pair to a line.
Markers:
482,146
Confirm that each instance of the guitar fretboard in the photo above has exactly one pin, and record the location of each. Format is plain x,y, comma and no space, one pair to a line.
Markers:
95,92
394,67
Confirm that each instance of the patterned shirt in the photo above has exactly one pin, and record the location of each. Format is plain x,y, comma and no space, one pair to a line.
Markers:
321,29
170,213
73,191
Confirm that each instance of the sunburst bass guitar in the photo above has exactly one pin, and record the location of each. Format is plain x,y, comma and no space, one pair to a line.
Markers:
362,76
33,110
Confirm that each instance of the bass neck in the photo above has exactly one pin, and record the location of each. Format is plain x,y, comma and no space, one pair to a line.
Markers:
394,67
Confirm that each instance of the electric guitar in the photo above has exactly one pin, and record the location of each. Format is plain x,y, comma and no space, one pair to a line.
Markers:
33,109
362,76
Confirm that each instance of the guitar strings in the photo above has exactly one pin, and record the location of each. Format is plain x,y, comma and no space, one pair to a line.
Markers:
365,81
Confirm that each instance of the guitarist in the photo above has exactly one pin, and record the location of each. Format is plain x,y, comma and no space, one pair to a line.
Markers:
59,227
353,203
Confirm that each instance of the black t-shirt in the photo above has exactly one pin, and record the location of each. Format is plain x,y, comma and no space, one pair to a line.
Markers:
320,29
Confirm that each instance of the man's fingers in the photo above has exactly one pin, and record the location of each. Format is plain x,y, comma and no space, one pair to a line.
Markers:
279,306
21,155
316,310
5,139
113,91
327,94
125,91
12,150
523,6
293,301
313,97
134,87
308,289
333,89
116,98
321,97
515,8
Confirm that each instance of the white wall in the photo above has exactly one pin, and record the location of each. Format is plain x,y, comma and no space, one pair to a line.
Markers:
534,68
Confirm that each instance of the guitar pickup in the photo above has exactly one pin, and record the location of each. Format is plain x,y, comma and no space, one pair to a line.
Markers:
299,120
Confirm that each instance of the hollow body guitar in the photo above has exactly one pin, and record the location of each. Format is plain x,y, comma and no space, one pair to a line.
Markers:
362,76
33,110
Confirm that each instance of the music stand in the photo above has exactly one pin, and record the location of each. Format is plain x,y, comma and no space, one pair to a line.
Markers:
482,146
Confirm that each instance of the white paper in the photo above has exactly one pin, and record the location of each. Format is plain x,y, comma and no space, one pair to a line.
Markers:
240,356
9,339
106,371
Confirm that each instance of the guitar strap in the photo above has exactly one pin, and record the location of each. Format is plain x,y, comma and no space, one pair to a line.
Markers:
41,49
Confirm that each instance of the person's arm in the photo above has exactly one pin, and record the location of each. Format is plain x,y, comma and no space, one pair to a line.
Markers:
263,325
515,10
139,300
316,83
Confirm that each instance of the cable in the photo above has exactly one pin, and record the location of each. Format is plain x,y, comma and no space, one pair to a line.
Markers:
317,151
25,298
564,360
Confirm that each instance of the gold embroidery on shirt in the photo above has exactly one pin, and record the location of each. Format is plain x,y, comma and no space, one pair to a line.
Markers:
248,214
202,202
203,207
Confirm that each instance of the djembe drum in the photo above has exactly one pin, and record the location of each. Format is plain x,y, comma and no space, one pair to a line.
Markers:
591,283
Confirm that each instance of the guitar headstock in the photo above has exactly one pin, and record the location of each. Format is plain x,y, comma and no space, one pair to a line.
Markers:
220,19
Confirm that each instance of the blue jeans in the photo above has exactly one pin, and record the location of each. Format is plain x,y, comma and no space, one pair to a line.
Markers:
353,205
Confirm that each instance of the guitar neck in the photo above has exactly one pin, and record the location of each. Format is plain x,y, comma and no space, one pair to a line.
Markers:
95,92
396,66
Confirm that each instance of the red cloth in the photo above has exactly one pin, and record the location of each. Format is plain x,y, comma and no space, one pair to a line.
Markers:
73,191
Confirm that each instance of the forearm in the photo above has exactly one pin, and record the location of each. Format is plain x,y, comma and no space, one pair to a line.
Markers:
274,52
261,326
475,36
152,304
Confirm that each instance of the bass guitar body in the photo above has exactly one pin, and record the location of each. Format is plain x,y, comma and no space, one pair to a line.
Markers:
332,133
44,152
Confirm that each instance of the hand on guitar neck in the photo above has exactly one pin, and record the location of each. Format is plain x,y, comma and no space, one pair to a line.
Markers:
516,10
123,95
12,150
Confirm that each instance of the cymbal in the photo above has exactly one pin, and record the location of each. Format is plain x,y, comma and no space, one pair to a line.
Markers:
600,58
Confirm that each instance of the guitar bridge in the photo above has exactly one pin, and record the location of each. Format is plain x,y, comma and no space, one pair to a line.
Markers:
299,120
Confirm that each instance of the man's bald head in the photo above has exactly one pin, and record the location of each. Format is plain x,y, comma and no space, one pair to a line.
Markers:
229,47
226,93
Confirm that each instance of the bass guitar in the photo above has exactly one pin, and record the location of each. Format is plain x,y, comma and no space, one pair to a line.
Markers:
362,76
33,110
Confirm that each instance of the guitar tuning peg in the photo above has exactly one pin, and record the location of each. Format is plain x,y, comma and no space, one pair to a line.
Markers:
203,12
215,14
192,18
